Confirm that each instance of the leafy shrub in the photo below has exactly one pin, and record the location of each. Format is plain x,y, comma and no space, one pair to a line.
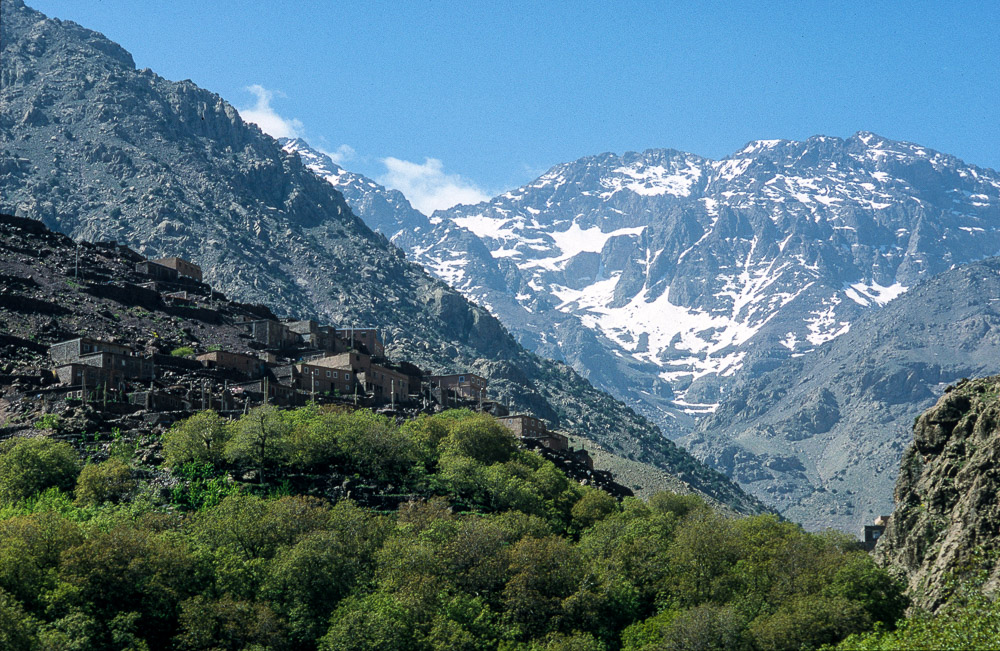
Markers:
259,439
198,439
182,351
48,421
203,486
30,465
110,481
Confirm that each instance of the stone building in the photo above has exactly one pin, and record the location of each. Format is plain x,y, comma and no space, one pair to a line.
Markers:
874,531
528,427
74,349
386,384
272,334
461,385
322,380
249,365
181,266
365,338
157,271
320,337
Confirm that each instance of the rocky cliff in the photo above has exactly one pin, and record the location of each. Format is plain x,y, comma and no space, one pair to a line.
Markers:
945,530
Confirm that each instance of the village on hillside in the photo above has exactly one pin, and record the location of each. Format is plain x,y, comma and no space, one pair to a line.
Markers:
285,363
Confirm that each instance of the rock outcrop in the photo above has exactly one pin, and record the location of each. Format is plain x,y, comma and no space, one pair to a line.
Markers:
945,531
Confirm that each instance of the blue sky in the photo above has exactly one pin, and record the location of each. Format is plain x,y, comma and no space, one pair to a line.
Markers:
452,101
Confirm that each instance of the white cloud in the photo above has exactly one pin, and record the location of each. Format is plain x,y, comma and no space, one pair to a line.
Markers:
427,186
343,154
267,119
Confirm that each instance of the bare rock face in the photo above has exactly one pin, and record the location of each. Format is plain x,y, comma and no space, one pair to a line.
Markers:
946,526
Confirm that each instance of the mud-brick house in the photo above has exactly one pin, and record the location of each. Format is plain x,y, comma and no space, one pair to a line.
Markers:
525,426
74,349
104,368
156,271
386,384
181,266
77,374
272,334
319,337
158,401
460,385
249,365
364,338
277,394
321,380
378,380
874,531
352,360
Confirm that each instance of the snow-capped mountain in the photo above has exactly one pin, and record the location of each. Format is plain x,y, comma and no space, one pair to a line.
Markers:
668,278
661,274
702,268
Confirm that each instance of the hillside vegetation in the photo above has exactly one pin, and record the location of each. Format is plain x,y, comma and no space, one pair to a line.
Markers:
222,548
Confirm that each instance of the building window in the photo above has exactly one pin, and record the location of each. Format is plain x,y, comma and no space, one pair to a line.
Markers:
328,373
461,378
347,376
335,374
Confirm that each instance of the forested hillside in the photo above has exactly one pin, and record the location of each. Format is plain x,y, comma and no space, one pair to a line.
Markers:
495,549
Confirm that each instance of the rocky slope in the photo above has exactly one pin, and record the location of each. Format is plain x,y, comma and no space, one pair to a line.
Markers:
946,527
99,150
812,410
667,274
821,436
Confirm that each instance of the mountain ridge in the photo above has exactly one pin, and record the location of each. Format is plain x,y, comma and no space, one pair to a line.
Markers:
805,299
101,151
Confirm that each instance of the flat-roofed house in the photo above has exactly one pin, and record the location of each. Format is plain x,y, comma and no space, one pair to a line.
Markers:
525,426
181,266
320,337
386,384
156,270
353,360
366,338
77,374
73,349
249,365
272,334
104,368
311,378
462,385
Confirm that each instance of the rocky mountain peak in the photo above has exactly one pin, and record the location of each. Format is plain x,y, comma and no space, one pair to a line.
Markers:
100,151
670,279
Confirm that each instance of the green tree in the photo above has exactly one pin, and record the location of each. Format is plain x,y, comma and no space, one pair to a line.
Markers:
30,465
200,438
543,572
374,447
17,628
131,570
809,622
30,551
110,481
594,506
259,438
229,624
481,438
377,622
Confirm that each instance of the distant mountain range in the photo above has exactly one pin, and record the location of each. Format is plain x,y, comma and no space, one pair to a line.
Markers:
784,312
102,151
687,287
